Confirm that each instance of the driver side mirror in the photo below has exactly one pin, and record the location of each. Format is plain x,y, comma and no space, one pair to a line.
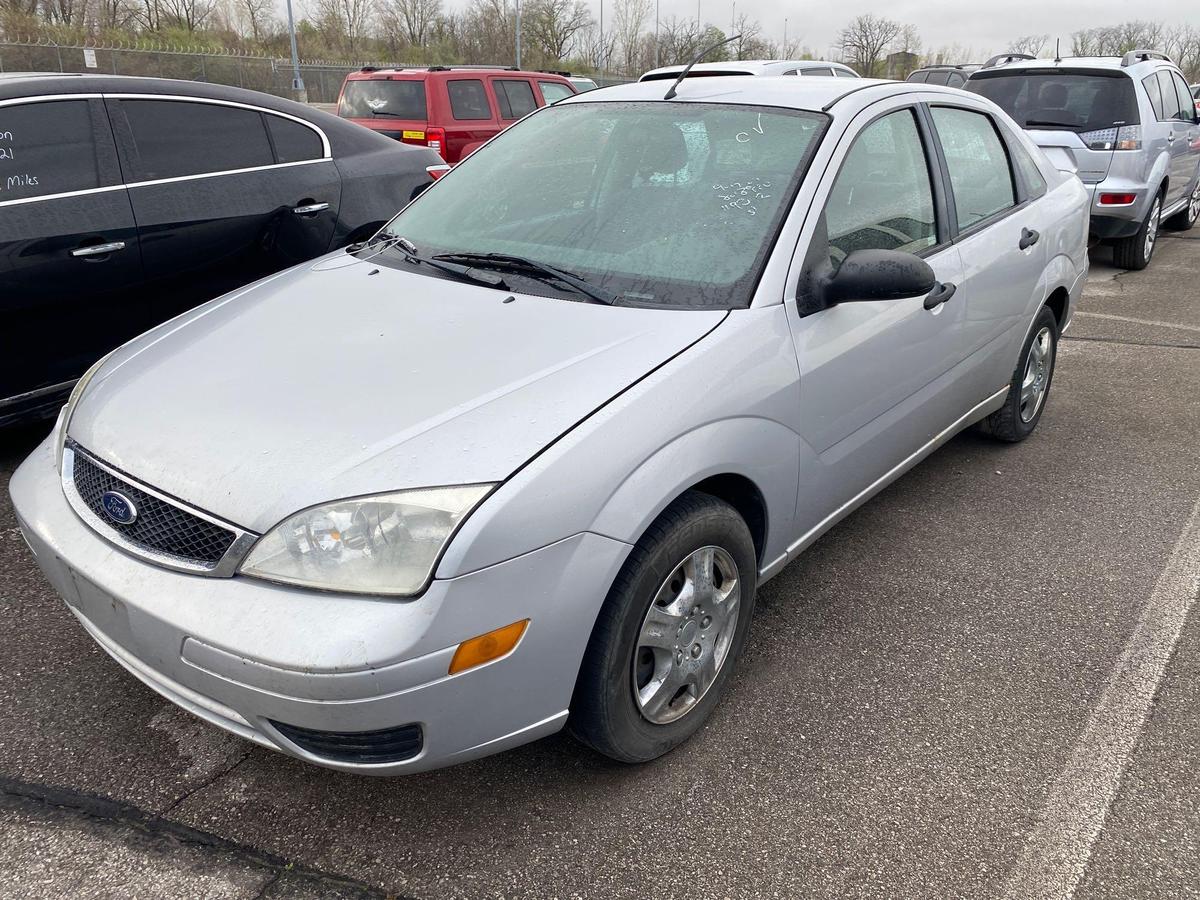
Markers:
879,275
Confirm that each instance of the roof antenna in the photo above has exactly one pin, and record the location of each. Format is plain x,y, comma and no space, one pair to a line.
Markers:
699,56
1057,53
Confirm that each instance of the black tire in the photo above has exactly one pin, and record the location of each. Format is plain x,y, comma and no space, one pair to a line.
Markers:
604,711
1006,423
1135,252
1186,217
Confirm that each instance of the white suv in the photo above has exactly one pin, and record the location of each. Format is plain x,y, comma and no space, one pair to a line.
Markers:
1127,125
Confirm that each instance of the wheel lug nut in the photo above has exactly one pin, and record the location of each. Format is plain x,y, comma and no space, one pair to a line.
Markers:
706,621
696,651
678,657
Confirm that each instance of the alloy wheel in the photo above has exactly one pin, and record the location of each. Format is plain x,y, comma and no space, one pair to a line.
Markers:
1194,204
1038,365
1152,228
686,634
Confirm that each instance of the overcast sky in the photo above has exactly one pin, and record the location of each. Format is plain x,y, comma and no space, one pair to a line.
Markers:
981,27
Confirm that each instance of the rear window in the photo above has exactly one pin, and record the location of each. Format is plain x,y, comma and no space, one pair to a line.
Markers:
389,99
1060,100
468,99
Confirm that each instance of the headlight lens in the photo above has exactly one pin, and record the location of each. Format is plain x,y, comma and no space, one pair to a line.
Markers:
386,544
64,417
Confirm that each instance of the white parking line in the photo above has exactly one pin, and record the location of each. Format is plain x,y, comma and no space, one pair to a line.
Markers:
1057,852
1155,322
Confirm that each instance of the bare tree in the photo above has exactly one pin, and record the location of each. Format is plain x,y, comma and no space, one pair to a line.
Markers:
629,17
750,43
114,15
188,14
413,20
554,25
345,21
1030,43
863,41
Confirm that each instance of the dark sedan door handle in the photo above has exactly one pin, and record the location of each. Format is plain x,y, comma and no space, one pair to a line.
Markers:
1029,237
940,294
308,209
98,249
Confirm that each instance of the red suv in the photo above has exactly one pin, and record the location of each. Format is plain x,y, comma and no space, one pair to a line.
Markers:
450,109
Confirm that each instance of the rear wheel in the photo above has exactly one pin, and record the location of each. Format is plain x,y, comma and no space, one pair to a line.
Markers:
669,633
1135,252
1030,385
1186,217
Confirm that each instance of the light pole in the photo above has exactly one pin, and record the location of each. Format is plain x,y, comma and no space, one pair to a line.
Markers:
297,81
518,32
601,38
656,34
786,52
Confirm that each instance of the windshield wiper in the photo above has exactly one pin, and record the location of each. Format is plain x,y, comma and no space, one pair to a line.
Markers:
380,112
1045,123
462,273
525,266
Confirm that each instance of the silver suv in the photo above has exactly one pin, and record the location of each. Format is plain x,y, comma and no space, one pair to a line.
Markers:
1127,126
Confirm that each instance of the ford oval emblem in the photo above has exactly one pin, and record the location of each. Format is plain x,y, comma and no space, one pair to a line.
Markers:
118,507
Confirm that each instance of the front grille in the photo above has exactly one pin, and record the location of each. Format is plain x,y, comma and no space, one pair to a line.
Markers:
160,526
384,746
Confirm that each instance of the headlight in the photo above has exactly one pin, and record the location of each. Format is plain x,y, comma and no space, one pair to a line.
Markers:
386,544
64,416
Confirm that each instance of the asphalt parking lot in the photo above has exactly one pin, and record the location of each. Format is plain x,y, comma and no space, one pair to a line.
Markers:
985,683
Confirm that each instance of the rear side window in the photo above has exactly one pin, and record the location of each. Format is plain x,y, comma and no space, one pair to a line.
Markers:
1059,100
468,99
375,97
824,72
175,138
293,142
46,148
553,91
918,77
1028,169
515,98
980,175
1170,102
844,73
956,80
882,198
938,78
1154,92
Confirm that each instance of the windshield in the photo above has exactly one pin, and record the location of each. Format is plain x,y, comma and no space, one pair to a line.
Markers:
660,204
376,97
1056,99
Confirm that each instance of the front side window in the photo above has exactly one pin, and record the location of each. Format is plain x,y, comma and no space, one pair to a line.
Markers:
663,204
554,91
1187,106
375,97
515,98
882,198
468,99
173,138
980,174
46,148
1056,100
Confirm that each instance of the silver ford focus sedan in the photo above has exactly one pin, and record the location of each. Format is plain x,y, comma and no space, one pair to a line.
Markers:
523,459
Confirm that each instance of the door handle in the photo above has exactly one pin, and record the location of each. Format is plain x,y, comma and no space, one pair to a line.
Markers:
309,208
1171,138
1029,237
99,249
942,291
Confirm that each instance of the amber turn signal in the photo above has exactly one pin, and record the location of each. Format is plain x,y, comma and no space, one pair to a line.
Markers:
486,647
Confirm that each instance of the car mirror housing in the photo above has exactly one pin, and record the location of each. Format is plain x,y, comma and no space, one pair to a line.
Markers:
879,275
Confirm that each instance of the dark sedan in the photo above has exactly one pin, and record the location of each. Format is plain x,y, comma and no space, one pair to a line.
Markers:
125,201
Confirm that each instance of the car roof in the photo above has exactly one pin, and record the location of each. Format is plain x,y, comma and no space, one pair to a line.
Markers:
368,72
1139,66
747,66
16,86
788,91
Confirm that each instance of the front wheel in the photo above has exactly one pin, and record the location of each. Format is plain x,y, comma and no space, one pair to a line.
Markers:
1030,385
672,627
1135,252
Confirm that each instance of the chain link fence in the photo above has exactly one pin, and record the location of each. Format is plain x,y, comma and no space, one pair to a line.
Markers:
322,80
272,76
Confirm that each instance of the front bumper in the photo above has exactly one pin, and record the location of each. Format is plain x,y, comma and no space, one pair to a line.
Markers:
243,653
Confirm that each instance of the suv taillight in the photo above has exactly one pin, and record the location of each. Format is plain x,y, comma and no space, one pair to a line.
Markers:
435,139
1127,137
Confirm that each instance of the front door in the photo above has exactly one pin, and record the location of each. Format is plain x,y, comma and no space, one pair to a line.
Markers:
69,262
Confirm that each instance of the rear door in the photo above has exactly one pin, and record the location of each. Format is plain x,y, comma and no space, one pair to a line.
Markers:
69,262
514,98
1185,148
222,194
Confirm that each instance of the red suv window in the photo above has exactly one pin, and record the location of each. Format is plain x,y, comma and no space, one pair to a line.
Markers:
468,99
365,98
515,97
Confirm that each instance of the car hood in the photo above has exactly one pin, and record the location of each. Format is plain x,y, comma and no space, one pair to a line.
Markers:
342,378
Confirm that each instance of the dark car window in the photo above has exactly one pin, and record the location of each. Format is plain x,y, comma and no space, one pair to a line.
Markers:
1154,92
554,91
956,80
1187,106
175,138
374,97
980,174
942,77
843,73
515,98
918,77
1170,102
817,72
293,142
882,198
468,99
1052,99
1029,170
46,148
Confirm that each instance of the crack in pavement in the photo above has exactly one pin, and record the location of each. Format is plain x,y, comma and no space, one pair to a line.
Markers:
105,810
207,782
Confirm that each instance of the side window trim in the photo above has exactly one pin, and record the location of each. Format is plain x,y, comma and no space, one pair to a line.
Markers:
1020,201
126,149
939,178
